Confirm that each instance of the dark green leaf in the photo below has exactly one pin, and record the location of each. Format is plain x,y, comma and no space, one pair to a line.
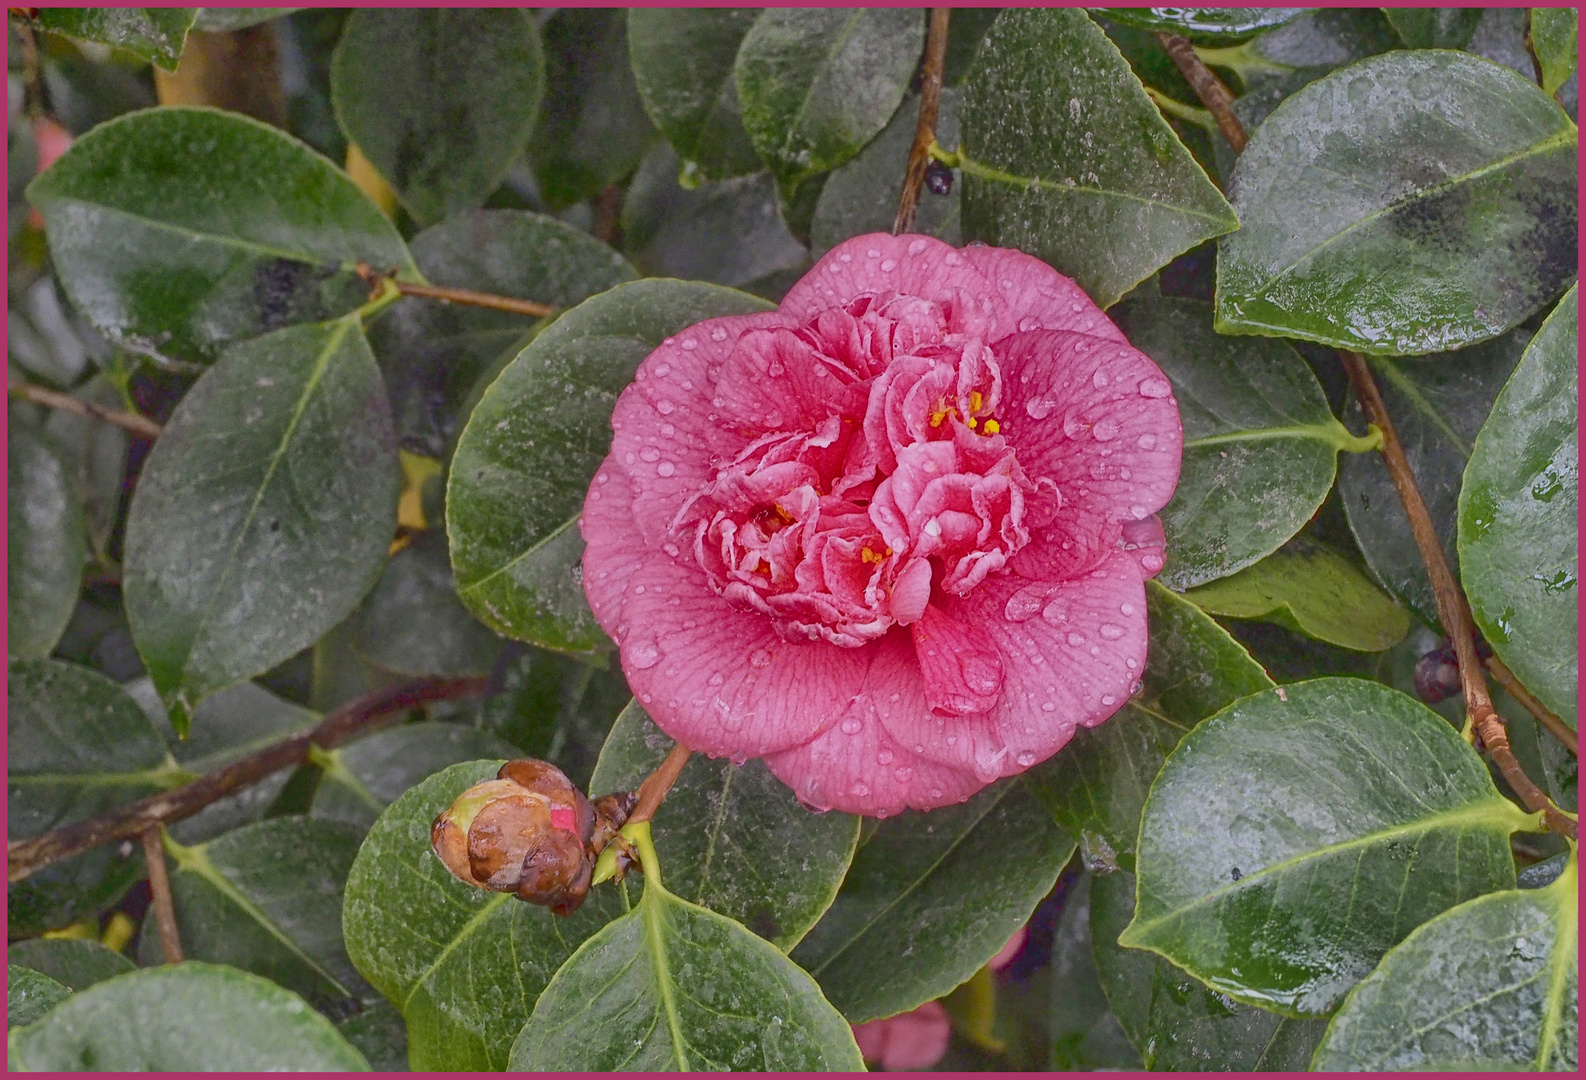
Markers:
222,20
1554,34
155,34
816,84
1096,786
1085,1034
1434,28
683,66
362,779
674,987
862,196
73,963
1493,984
188,1017
440,100
733,838
1414,202
95,455
463,965
1313,44
77,747
29,995
1177,1023
531,448
263,513
1299,834
1206,26
176,231
413,623
1260,444
46,542
378,1033
1065,157
556,707
931,897
1518,510
1438,405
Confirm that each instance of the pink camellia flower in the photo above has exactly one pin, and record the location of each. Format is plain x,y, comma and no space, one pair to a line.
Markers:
893,536
908,1041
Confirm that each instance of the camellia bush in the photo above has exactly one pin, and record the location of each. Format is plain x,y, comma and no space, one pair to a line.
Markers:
792,539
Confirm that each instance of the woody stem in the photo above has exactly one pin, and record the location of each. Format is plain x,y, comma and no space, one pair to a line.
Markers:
658,783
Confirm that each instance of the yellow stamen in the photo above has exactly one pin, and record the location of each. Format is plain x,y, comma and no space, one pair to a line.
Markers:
992,427
975,401
942,414
972,423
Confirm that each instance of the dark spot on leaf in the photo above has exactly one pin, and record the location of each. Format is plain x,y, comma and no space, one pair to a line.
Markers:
285,291
763,922
1437,217
1235,874
275,525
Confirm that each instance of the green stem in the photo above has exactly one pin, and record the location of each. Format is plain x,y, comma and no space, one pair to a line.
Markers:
1188,113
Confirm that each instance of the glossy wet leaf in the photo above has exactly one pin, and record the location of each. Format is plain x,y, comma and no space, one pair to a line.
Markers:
77,747
156,34
1312,589
817,84
432,354
463,966
1176,1022
263,513
1305,48
1518,511
915,916
1417,201
412,622
733,838
1085,1034
440,100
1066,158
74,963
29,995
1554,35
1260,444
1096,786
95,456
674,987
1206,26
177,230
46,542
524,463
183,1018
361,779
1434,28
1296,836
221,20
683,66
1493,984
1438,404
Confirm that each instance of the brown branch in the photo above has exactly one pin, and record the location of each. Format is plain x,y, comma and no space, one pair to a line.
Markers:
1559,729
1214,94
925,126
1452,609
467,297
353,720
607,205
658,783
160,889
1530,48
140,426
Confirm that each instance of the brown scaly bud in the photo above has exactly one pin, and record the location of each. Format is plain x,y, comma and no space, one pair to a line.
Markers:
528,832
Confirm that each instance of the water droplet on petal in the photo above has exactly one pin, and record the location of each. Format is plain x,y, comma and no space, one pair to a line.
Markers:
1155,387
664,407
759,658
643,655
853,726
718,334
666,468
649,453
1108,699
860,789
1147,442
903,773
1140,513
1111,631
1026,758
1055,613
889,265
916,247
1099,379
690,344
884,757
1105,430
1039,408
1127,609
1075,638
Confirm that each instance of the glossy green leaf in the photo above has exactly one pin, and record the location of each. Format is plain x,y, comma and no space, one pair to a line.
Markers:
263,513
1555,33
46,542
187,1017
29,995
1312,589
592,129
432,355
733,838
266,898
156,34
931,897
1314,43
412,622
524,463
1065,157
1085,1034
1206,26
1493,984
178,230
683,66
1518,511
378,1033
77,747
674,987
361,779
72,962
1416,201
440,100
1438,404
862,196
1176,1022
95,456
1260,444
1296,836
817,84
556,707
464,966
1434,28
221,20
1096,786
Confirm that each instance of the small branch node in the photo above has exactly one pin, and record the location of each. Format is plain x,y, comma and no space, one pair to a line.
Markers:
925,126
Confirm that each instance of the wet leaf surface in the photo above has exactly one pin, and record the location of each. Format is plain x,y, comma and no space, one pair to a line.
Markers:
29,995
1555,33
412,622
363,778
46,540
74,964
1206,26
156,34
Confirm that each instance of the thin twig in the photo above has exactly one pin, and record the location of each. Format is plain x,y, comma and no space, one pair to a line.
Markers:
1530,48
353,720
658,783
925,126
467,297
1214,94
607,205
141,426
1559,729
160,890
